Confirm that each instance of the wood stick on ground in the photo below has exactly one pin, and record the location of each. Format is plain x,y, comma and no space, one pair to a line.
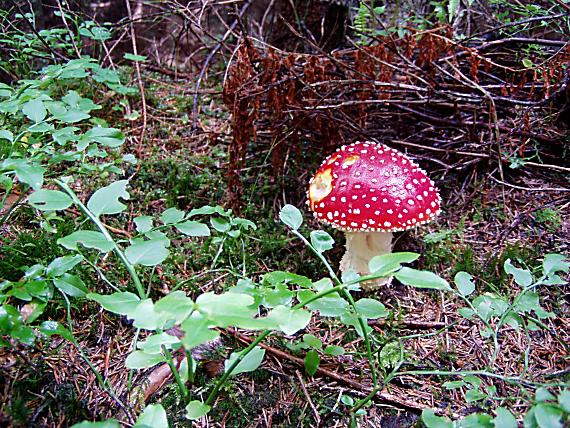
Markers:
366,389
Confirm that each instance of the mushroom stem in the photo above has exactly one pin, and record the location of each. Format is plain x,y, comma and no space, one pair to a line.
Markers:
360,248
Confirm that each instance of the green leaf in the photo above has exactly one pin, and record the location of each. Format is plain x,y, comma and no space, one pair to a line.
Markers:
193,228
71,285
554,263
106,199
312,361
432,421
249,363
386,264
175,307
153,416
529,420
5,134
197,331
527,63
229,309
196,409
153,343
291,216
473,395
61,265
142,360
543,394
288,320
49,200
321,240
143,223
334,350
72,116
329,306
123,302
147,253
464,283
453,384
109,423
504,419
548,416
564,400
452,8
26,172
87,238
371,309
313,341
351,319
390,354
522,277
280,277
172,215
421,279
108,137
132,57
50,328
145,316
35,110
220,224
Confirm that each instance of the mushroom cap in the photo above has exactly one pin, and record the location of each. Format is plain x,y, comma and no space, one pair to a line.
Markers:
368,186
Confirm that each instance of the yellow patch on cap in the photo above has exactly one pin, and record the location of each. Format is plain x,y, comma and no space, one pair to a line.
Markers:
320,187
350,160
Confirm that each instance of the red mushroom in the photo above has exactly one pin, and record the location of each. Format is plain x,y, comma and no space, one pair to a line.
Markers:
369,190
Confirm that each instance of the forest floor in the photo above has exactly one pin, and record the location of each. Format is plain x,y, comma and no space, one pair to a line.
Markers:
485,221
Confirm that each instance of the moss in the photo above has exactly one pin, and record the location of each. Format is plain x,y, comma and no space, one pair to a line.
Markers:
31,247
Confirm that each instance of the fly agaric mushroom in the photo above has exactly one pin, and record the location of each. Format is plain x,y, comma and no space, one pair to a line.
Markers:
369,190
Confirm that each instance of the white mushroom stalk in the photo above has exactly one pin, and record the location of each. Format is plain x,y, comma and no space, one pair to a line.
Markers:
361,247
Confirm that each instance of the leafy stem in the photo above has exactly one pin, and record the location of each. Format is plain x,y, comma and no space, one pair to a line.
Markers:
130,268
361,321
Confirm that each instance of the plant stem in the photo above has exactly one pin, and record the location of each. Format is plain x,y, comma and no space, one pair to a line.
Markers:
361,321
258,340
508,379
130,268
174,370
102,382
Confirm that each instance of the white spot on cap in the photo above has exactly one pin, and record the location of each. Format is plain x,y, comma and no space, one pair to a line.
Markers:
342,199
356,211
357,186
390,211
377,212
330,215
322,205
374,198
387,224
355,197
354,224
385,200
411,202
333,198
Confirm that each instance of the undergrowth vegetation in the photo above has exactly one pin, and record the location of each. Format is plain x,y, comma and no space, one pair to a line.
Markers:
91,230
